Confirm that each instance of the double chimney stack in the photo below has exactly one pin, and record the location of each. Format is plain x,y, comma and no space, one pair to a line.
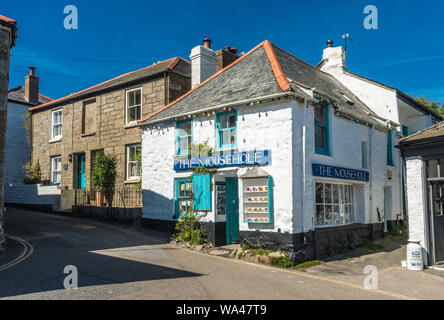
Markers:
205,62
32,86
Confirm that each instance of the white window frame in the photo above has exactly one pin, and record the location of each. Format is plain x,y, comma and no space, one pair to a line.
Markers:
341,204
58,137
129,162
126,105
54,171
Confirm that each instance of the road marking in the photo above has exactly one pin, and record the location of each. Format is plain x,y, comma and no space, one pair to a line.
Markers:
311,276
28,250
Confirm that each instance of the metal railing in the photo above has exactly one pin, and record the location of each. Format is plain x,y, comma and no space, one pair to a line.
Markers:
125,197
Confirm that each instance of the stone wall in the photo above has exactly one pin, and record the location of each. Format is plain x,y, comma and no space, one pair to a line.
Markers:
108,132
7,39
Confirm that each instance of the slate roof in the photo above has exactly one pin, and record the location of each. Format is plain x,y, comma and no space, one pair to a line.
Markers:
263,71
17,94
177,65
434,131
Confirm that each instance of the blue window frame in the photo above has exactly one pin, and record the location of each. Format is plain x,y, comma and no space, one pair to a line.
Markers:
322,129
182,197
226,130
405,130
184,137
390,149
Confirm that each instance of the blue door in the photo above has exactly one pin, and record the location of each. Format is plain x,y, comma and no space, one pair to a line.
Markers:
81,171
232,211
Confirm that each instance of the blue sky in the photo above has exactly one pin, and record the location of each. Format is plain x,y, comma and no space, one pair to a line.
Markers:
114,37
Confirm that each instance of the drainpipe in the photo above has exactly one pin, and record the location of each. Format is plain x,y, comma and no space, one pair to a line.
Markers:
370,162
303,169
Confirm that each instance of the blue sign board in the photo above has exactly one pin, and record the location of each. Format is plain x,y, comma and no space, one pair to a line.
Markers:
320,170
223,160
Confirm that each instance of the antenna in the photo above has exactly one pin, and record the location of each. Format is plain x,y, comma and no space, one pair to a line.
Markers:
345,37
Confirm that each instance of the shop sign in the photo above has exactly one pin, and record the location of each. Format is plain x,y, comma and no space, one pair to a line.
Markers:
247,158
320,170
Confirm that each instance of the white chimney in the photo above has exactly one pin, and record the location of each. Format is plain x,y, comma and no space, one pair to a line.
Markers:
203,63
334,59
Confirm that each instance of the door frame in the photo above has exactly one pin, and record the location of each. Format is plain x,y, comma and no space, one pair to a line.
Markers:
232,218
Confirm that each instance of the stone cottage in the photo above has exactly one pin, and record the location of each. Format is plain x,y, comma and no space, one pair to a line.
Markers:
297,161
68,133
8,34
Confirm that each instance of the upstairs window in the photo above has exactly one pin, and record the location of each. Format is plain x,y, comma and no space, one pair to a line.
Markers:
321,128
56,170
226,130
56,124
405,130
184,137
389,149
133,153
133,105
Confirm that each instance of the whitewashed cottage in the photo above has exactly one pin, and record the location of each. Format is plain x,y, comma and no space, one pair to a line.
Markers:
299,162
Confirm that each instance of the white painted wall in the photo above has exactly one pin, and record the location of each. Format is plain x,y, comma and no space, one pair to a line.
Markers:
33,194
279,128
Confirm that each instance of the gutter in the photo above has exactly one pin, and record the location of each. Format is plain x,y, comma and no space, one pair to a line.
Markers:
229,104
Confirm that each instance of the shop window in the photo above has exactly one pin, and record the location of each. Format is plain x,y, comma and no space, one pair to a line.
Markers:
202,191
322,141
133,170
184,137
183,195
334,204
133,105
435,169
56,170
390,149
226,129
56,124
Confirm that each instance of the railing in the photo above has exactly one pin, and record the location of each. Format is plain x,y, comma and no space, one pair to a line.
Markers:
125,197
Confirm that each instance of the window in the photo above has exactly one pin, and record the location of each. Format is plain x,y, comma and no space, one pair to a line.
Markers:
57,119
56,170
133,153
184,137
183,196
133,105
389,149
405,130
364,153
334,204
322,129
226,129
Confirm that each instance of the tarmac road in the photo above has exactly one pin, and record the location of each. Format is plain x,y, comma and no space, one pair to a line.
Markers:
117,262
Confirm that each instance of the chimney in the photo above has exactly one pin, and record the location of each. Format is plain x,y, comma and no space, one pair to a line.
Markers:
31,86
334,58
203,63
225,57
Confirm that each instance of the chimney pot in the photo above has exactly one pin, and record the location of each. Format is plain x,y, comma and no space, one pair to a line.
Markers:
234,50
207,43
32,71
329,43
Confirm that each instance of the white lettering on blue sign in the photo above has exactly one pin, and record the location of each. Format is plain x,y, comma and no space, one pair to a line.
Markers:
223,160
320,170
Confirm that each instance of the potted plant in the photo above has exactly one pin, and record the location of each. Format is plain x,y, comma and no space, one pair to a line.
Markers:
103,178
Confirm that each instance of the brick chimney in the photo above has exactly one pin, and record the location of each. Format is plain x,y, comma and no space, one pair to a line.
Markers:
31,86
225,57
203,62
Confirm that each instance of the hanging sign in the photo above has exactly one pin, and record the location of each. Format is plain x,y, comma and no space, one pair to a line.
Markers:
248,158
320,170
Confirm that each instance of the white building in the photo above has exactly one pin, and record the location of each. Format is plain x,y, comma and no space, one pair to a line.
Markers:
405,114
301,162
18,147
424,155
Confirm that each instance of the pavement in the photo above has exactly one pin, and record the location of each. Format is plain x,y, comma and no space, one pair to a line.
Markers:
119,262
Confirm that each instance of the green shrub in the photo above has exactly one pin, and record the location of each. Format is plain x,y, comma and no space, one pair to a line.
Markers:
32,173
245,246
187,229
261,252
307,264
398,231
283,262
374,246
104,175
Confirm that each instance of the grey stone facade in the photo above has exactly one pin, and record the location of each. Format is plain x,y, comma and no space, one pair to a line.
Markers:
7,41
